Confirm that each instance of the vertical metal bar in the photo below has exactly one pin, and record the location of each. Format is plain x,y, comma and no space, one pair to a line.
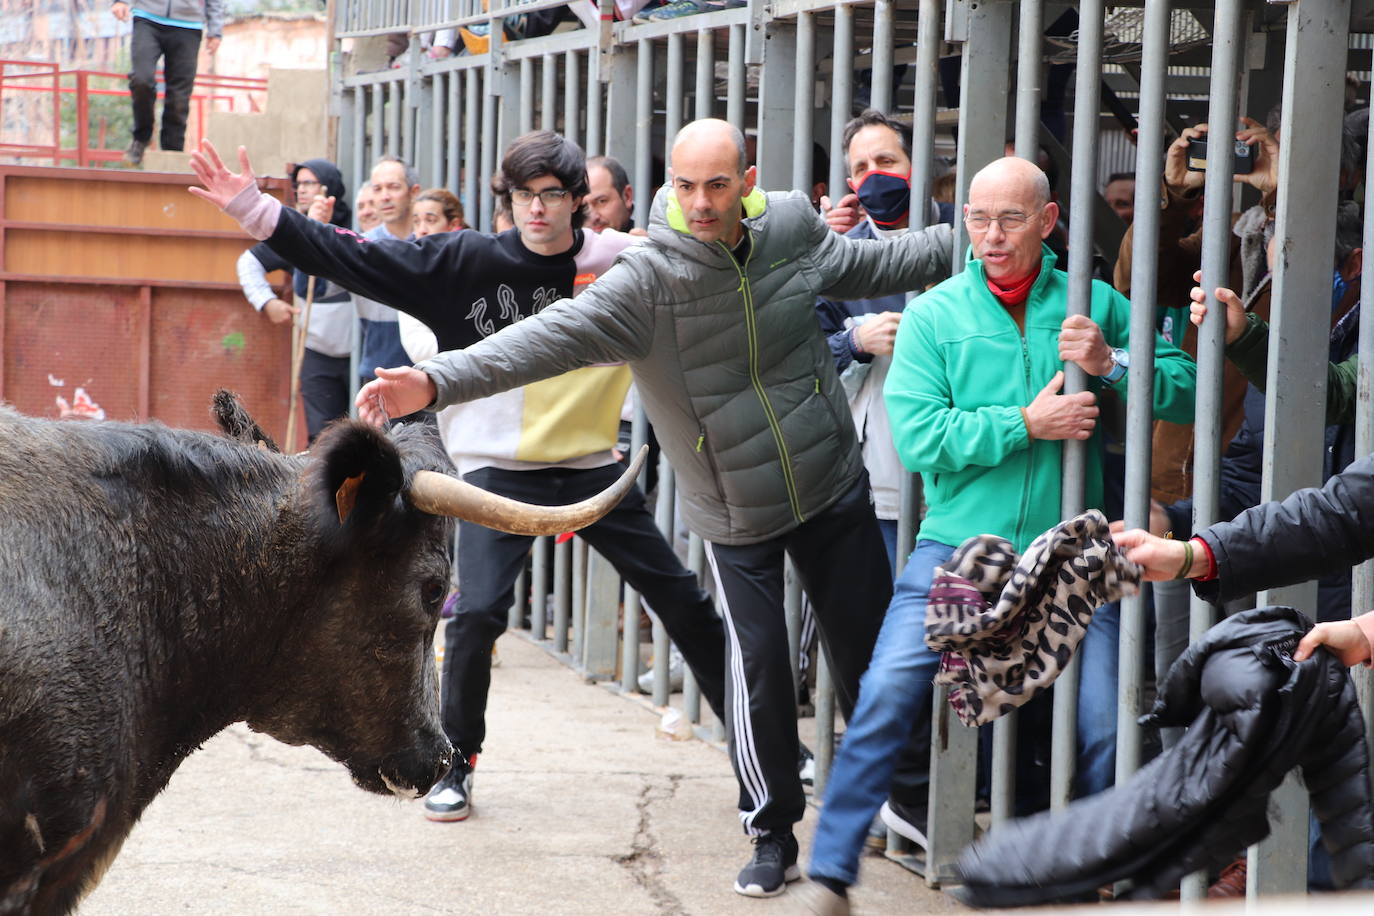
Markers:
737,84
1029,66
579,600
1216,252
629,659
1295,409
880,96
1139,412
841,91
572,92
393,122
691,690
983,95
672,120
923,128
1086,105
596,133
706,74
359,128
515,617
663,515
472,170
437,133
378,143
489,118
804,102
539,589
526,95
825,724
453,156
779,145
1362,580
562,594
548,93
644,129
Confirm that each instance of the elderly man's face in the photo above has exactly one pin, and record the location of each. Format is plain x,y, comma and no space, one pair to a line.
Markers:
1017,222
710,189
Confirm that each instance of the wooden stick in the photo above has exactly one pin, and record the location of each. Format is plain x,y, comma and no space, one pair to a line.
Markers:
297,358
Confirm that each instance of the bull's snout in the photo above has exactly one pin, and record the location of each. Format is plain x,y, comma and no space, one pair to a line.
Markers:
410,774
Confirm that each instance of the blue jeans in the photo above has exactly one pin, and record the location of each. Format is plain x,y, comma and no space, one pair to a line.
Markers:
896,689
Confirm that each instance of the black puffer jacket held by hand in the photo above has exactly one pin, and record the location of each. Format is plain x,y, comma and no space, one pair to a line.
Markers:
1252,714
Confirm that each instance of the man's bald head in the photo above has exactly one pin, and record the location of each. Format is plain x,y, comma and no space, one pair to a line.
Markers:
1014,177
710,179
1008,214
713,134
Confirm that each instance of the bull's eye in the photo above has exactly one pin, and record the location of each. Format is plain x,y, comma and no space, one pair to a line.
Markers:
432,592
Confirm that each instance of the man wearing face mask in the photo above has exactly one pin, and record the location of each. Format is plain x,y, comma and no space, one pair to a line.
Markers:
861,333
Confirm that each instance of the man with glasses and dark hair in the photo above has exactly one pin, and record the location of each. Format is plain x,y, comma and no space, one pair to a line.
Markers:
547,442
974,398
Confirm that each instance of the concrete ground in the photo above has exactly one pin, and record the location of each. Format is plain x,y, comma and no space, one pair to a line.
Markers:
580,809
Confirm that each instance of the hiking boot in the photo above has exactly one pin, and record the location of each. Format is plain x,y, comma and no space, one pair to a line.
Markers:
815,899
451,797
773,864
1231,881
134,154
906,820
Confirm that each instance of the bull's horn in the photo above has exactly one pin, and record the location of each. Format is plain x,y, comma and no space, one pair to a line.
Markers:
440,494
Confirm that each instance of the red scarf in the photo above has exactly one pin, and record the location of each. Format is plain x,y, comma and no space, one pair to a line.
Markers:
1016,293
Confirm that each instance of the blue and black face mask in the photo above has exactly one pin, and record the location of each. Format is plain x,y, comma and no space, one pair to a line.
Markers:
886,196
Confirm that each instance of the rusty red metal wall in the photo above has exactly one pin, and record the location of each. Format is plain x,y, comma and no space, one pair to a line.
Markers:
123,284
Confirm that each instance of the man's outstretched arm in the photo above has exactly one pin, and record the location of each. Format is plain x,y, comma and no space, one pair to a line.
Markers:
408,276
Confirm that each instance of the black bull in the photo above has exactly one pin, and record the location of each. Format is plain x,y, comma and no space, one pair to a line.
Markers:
157,585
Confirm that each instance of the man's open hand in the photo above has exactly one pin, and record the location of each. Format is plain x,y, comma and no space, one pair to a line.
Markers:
1061,416
221,185
394,393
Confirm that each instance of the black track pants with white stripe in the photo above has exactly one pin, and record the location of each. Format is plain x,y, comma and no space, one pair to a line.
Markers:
842,561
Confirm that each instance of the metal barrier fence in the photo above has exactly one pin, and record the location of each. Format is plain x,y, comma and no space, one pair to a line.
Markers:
791,73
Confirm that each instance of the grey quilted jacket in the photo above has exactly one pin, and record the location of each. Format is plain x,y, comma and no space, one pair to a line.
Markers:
729,359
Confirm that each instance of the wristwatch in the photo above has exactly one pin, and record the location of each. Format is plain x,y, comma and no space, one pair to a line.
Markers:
1121,361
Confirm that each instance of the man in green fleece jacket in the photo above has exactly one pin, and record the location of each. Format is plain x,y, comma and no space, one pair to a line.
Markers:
973,394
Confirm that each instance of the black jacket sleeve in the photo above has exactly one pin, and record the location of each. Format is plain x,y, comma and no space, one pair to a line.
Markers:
268,258
1311,533
416,277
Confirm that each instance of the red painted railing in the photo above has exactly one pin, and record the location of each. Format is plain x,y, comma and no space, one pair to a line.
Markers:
22,79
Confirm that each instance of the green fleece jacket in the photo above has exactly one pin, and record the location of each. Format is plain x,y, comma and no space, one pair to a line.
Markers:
962,371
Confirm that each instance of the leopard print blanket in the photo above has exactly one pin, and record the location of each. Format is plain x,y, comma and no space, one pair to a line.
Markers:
1006,626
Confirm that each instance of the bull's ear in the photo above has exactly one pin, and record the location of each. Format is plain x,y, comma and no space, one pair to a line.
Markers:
356,473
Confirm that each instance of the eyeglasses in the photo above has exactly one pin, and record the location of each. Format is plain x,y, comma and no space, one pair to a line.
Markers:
549,197
1008,222
309,184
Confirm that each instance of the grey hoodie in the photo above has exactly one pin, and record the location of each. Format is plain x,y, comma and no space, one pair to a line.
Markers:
731,364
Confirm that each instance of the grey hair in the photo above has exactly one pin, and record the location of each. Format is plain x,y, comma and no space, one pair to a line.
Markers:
412,173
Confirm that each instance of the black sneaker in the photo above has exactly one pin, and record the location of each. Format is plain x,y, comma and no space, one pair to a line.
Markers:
134,154
774,863
909,821
451,797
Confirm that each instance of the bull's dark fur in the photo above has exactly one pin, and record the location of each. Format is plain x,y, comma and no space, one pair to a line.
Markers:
236,422
157,585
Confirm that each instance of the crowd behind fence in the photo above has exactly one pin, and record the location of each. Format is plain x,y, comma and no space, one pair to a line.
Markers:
790,74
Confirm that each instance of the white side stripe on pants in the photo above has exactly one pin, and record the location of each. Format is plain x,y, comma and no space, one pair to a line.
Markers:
742,725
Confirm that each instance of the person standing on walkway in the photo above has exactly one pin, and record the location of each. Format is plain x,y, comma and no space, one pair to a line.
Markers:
170,30
548,443
974,398
716,316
